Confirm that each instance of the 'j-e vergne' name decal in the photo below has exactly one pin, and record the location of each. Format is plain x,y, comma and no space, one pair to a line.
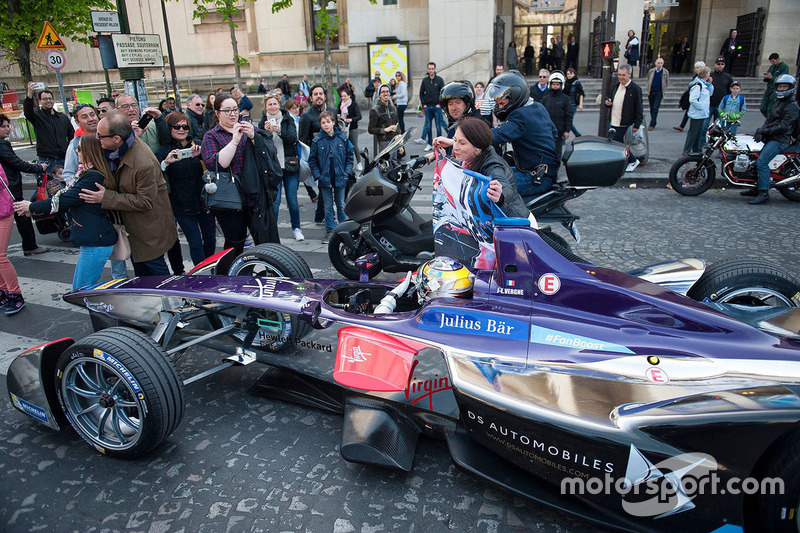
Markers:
552,337
473,323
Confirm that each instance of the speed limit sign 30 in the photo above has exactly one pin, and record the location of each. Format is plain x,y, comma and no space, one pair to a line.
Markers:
55,59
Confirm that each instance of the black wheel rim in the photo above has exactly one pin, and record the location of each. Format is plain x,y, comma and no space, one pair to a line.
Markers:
257,268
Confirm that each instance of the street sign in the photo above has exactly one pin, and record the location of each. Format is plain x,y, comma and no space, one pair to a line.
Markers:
56,60
137,50
49,39
106,22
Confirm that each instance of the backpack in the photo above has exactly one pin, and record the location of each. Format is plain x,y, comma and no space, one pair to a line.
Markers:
369,92
684,101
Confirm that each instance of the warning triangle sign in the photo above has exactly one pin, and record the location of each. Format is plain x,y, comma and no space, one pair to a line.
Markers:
49,39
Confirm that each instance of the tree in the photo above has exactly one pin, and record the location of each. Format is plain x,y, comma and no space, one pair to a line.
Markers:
22,21
327,28
228,10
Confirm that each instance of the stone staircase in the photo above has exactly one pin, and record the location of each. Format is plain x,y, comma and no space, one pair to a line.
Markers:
752,89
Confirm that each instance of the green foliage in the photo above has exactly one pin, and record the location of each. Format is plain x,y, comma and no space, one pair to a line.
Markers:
241,61
21,21
227,8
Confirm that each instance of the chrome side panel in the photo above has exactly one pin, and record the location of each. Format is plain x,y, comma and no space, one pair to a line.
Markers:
30,382
677,276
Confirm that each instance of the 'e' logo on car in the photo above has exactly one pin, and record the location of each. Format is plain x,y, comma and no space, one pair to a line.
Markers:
549,283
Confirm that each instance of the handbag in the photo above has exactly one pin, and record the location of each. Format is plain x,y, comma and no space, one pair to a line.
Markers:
221,191
291,164
122,248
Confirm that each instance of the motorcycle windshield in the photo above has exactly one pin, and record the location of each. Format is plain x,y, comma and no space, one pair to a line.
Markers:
397,142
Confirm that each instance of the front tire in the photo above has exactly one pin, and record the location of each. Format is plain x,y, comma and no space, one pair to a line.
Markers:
343,257
270,260
120,392
746,281
689,178
780,512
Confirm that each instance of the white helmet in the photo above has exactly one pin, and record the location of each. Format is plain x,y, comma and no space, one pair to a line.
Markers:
557,76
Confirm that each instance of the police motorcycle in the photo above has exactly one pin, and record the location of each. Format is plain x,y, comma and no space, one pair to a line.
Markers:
692,175
381,220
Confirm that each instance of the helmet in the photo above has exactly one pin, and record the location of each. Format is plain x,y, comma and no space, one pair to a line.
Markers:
443,277
457,89
508,85
557,76
784,78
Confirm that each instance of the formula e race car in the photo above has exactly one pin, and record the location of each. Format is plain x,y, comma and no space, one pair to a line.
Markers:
591,390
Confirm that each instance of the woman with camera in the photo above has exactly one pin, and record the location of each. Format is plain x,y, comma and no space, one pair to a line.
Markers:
280,125
180,162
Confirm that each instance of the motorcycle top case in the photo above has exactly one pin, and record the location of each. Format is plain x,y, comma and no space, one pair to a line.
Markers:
595,162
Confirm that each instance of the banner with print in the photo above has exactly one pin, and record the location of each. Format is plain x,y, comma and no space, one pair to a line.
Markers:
463,215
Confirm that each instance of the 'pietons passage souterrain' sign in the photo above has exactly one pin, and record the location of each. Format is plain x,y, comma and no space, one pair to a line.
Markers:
137,50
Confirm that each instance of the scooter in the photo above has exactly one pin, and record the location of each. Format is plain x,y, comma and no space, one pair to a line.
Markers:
381,220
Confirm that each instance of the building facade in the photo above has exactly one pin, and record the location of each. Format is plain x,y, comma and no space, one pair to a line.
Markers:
463,37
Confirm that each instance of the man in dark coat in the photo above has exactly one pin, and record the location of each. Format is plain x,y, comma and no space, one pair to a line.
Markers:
572,53
722,85
679,54
53,130
540,88
559,107
731,50
308,127
528,57
14,166
194,110
625,101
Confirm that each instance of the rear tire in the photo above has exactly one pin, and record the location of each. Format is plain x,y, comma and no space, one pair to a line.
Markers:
746,281
120,392
780,512
343,257
790,192
688,178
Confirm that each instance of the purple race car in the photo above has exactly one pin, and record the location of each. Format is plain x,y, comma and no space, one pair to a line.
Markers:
588,389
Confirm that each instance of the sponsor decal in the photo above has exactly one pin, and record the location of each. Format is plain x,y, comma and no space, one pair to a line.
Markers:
357,356
548,453
426,388
110,284
29,409
549,283
551,337
266,338
656,375
511,292
103,356
264,287
473,323
98,307
168,280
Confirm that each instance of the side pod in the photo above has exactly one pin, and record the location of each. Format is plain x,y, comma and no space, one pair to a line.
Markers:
31,382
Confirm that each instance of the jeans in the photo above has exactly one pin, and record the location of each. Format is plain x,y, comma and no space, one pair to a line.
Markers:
655,104
119,269
154,267
526,185
175,257
319,211
353,137
328,194
90,265
8,276
401,114
201,234
768,153
234,228
685,119
433,113
574,129
289,183
696,137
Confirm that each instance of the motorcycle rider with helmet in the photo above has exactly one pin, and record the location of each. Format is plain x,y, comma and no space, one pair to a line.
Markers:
559,107
776,134
458,100
527,126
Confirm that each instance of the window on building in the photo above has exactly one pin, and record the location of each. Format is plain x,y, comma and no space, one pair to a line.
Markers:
390,2
317,8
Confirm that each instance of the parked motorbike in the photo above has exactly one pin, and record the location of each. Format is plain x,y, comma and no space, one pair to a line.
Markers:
381,219
693,175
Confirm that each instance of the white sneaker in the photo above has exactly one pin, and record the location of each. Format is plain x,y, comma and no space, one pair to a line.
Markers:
428,147
632,166
359,167
419,141
298,235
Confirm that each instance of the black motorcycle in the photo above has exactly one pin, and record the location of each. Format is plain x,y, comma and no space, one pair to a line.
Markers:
380,218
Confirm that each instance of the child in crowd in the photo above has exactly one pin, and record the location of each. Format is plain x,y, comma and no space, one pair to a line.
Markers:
732,107
331,162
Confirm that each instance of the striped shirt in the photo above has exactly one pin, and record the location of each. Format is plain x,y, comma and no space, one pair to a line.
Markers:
215,140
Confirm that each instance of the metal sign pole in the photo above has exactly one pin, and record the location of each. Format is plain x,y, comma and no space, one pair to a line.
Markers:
63,96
